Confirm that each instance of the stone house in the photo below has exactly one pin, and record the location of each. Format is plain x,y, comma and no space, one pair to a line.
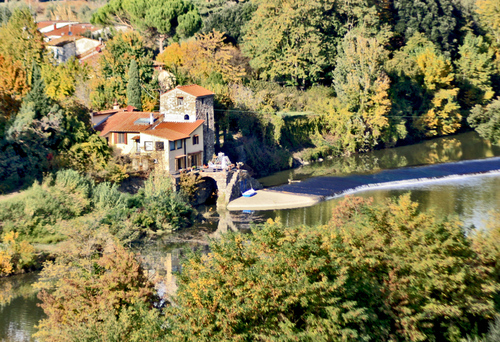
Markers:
175,137
188,104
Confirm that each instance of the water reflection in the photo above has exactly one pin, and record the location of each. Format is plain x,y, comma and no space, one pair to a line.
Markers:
472,198
18,308
465,146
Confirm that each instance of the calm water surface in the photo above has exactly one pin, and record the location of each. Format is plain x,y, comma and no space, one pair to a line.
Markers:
472,197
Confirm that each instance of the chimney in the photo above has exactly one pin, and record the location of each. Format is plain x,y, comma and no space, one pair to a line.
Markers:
151,118
55,26
115,105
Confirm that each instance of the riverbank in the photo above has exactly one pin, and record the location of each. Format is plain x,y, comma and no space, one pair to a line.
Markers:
271,199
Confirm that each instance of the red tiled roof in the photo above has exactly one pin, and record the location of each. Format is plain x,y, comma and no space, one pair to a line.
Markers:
174,130
125,122
195,90
75,29
182,127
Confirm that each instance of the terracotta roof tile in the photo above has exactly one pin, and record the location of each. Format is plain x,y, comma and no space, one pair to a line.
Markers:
75,29
125,122
182,127
195,90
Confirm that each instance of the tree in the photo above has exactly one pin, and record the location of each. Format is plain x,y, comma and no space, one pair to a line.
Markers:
276,284
134,86
21,39
204,57
292,40
434,18
474,71
109,85
384,272
93,292
61,79
486,121
156,18
489,13
230,20
13,87
423,88
360,117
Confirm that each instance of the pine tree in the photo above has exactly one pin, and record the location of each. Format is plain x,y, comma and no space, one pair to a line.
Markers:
134,86
37,95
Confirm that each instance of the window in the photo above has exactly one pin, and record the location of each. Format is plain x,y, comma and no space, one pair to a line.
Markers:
186,117
148,146
196,140
172,145
179,144
180,101
160,146
202,101
122,138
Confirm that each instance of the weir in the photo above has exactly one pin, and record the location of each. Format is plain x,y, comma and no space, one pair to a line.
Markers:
330,187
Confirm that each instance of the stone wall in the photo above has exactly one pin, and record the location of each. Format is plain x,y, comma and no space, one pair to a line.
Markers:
205,111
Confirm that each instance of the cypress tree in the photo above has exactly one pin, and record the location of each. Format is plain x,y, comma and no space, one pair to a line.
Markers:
36,96
134,86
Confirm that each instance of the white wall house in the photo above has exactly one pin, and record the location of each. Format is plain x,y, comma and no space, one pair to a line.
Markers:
175,137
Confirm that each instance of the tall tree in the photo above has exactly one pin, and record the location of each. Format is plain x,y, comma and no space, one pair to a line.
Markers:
155,18
21,39
134,86
360,117
474,71
292,40
114,64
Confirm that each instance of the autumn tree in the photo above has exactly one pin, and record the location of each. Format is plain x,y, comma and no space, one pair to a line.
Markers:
97,290
423,88
13,86
360,118
134,86
21,39
381,272
203,57
61,79
156,18
474,70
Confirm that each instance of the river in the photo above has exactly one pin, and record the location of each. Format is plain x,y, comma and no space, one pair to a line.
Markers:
472,197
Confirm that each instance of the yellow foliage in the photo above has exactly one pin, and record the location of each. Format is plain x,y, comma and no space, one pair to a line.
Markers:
199,58
14,255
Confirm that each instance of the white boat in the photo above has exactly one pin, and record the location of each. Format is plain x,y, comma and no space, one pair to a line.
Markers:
249,193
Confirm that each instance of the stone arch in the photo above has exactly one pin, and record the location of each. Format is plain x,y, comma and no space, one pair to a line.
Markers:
207,191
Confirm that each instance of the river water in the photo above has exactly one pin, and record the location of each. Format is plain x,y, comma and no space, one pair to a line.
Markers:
467,191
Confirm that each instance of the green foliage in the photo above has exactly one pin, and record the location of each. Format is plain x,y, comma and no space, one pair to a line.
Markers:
170,18
21,39
134,86
230,20
15,256
362,104
486,121
293,41
474,71
434,18
115,62
384,272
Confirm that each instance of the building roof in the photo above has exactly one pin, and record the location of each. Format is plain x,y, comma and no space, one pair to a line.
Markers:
174,130
194,90
72,30
130,121
126,122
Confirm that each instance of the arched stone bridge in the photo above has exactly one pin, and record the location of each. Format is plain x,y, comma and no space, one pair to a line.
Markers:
229,184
